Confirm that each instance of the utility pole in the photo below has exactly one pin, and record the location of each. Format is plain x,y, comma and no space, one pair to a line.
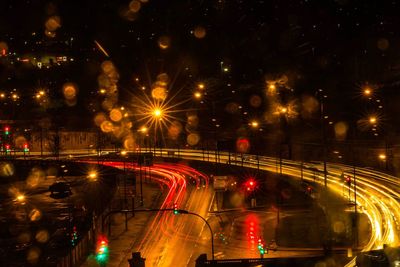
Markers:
323,133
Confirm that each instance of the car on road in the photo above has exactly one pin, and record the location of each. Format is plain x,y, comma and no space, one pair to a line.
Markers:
60,189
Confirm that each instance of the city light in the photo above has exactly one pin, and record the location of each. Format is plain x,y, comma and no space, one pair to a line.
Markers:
283,110
197,95
20,198
40,93
201,86
382,156
92,176
372,120
143,129
367,91
254,124
157,112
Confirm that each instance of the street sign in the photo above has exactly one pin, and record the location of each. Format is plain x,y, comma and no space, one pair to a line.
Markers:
220,182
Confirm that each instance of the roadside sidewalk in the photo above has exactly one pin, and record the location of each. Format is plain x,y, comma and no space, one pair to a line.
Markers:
122,242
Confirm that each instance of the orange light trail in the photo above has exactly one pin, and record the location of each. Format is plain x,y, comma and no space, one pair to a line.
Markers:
101,48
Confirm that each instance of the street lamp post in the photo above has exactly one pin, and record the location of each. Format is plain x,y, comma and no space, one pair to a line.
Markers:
355,186
176,211
209,227
323,132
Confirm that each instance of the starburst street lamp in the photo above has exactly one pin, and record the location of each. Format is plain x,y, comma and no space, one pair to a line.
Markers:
254,124
157,113
372,120
20,198
92,176
367,91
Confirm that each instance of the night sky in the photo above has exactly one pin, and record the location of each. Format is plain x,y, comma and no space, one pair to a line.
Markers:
338,46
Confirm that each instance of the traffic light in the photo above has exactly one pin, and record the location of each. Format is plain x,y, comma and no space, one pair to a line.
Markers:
26,148
250,185
74,236
309,189
6,130
261,247
176,211
102,250
348,179
7,146
259,244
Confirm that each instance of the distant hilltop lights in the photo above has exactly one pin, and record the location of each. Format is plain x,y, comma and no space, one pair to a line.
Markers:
39,61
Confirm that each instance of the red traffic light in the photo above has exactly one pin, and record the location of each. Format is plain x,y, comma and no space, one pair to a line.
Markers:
250,184
102,244
348,179
102,249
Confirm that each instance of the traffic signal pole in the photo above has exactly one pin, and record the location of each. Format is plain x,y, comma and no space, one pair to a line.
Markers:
175,211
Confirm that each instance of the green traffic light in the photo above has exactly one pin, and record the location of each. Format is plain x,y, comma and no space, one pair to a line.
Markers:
101,258
102,251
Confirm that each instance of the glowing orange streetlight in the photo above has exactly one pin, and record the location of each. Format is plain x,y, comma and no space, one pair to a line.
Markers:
382,156
143,129
254,124
92,176
197,95
20,198
157,113
372,119
367,91
201,86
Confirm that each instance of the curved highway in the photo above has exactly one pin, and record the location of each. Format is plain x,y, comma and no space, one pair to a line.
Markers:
377,194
